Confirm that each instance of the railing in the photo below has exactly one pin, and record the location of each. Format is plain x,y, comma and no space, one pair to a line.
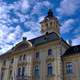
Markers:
23,77
50,59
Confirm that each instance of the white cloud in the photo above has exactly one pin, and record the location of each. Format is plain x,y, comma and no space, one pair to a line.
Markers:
5,48
9,35
67,26
76,40
68,7
39,6
33,26
24,5
41,18
29,35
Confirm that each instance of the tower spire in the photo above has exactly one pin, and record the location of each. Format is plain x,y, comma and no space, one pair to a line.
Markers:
50,13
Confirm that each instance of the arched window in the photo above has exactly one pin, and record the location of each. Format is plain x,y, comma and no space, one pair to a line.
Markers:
50,23
37,71
46,24
50,69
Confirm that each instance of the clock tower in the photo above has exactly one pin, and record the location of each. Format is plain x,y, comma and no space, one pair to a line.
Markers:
50,24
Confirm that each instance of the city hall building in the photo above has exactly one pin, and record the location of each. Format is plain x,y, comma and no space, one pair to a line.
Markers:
47,57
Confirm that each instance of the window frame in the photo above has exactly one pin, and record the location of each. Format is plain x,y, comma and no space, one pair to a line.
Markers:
50,52
37,71
37,55
49,69
69,68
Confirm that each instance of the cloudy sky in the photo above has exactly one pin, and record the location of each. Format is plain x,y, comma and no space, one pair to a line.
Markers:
19,18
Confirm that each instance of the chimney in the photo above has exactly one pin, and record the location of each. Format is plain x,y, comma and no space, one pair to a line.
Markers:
70,42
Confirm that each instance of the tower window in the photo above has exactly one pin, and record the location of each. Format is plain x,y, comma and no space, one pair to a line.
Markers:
46,24
50,69
50,23
69,68
49,52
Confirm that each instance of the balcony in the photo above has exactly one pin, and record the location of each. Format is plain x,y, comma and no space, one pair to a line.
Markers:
50,77
50,59
21,63
24,78
36,61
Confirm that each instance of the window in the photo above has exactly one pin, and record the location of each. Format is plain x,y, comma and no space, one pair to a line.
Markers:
2,75
23,71
12,60
49,66
37,54
19,71
24,57
20,57
10,75
36,71
10,72
69,68
49,52
50,23
4,62
46,24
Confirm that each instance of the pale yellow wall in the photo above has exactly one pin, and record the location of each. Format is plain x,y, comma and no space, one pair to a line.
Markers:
43,50
75,60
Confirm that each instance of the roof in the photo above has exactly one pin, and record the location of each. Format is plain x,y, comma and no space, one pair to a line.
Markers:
35,42
44,39
72,50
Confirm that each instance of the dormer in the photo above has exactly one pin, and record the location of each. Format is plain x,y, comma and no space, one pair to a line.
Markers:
24,44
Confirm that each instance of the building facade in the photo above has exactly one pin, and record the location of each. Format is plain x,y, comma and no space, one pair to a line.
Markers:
42,58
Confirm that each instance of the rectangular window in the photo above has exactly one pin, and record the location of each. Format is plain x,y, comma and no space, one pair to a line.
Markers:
2,75
24,57
4,62
12,60
20,57
23,71
69,68
37,71
50,69
19,71
37,55
49,52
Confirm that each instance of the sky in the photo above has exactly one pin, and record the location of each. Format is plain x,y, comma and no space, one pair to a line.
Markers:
20,18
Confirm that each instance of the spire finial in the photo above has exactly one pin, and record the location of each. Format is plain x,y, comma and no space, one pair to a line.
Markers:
50,13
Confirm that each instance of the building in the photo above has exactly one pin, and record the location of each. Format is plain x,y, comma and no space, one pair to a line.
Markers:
47,57
71,63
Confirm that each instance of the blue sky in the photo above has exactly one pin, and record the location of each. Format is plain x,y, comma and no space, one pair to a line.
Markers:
19,18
